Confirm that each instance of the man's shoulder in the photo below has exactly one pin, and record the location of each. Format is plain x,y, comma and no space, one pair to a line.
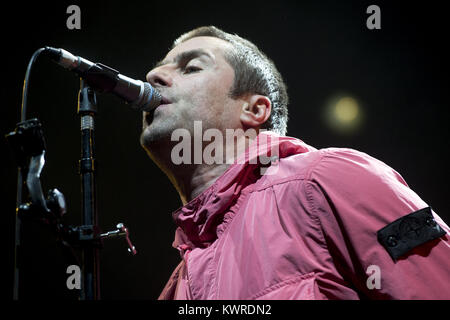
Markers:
350,165
333,166
304,165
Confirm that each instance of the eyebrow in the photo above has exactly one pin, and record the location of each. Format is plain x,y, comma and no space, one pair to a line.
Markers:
185,56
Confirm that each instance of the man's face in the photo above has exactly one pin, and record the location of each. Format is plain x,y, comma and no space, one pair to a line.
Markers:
195,80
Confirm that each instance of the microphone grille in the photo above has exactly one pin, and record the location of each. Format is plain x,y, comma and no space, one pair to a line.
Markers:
152,98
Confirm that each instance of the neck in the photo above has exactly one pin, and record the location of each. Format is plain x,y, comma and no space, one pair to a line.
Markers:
192,179
195,180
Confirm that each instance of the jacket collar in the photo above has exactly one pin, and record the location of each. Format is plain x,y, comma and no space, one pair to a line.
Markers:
198,221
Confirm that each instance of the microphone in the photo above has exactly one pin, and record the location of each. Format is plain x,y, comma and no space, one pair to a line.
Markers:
140,95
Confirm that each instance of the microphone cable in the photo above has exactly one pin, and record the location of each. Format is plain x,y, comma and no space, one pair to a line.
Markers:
20,181
23,112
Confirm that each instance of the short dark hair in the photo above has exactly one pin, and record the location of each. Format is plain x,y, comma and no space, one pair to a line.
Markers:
254,73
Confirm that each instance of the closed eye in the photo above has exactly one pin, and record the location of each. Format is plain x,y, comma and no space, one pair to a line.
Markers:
191,69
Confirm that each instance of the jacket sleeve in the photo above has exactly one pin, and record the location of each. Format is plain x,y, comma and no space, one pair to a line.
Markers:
353,196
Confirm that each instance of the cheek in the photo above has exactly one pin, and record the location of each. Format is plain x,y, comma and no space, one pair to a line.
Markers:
217,90
209,95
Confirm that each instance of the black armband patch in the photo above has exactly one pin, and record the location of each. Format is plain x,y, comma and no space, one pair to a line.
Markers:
409,232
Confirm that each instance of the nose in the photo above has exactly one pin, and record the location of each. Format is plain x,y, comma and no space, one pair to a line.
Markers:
159,77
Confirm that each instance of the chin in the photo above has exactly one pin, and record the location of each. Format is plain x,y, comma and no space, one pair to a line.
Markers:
153,136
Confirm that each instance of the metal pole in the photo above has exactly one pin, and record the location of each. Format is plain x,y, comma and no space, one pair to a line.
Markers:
87,108
18,232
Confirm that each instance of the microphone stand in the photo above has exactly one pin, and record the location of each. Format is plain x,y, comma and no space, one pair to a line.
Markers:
87,109
28,145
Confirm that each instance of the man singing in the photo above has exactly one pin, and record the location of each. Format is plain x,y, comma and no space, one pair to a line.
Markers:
266,216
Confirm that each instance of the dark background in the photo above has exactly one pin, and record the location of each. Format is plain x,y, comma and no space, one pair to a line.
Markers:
322,48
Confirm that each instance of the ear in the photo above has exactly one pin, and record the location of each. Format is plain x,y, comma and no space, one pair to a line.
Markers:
255,111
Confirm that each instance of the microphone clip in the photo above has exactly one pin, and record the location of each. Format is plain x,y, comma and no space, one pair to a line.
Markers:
89,235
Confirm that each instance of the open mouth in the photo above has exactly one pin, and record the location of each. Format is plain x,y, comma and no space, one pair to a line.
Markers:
165,101
148,116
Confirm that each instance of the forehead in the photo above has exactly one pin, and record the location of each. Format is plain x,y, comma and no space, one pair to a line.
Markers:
214,45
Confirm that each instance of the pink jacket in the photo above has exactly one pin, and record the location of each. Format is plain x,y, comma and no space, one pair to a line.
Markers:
306,229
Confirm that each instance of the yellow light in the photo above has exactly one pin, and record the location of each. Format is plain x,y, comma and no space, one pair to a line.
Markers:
343,114
346,110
